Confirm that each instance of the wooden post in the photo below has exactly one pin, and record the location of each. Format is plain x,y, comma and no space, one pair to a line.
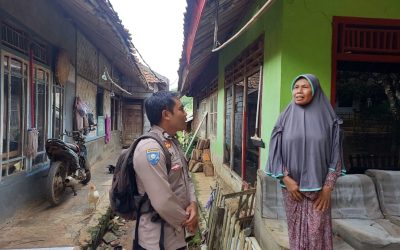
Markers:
244,131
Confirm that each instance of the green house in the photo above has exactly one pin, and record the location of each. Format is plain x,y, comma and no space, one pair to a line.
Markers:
240,57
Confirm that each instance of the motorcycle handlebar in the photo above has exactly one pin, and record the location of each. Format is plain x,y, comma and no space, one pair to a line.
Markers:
80,131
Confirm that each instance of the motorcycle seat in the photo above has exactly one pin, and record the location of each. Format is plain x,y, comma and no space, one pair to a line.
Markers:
73,147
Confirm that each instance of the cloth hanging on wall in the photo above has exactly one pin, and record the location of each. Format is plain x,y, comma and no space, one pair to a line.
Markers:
108,129
32,144
80,114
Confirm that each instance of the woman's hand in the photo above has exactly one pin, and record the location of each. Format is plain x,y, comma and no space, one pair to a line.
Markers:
323,201
293,188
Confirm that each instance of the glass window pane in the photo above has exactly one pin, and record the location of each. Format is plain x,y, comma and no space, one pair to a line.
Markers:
252,152
237,153
16,67
367,102
5,117
12,124
15,117
57,111
5,63
40,75
228,114
41,114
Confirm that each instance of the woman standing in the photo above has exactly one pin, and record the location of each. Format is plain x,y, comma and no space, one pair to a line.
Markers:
305,154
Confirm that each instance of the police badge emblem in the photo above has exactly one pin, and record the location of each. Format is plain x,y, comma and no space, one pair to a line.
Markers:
153,156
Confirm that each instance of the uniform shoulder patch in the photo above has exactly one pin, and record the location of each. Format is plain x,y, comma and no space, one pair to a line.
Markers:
153,156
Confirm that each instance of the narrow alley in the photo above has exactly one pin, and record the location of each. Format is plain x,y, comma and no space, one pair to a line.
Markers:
277,123
66,225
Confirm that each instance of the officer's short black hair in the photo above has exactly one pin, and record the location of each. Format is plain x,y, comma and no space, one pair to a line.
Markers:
157,102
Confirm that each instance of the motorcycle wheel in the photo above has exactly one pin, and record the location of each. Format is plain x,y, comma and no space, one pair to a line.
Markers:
56,183
88,177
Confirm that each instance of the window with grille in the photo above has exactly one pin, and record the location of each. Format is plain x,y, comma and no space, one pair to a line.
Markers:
58,106
14,90
41,79
18,40
14,38
368,39
114,113
212,114
242,80
40,52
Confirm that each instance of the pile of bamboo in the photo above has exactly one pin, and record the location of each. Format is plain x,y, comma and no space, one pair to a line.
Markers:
200,160
229,221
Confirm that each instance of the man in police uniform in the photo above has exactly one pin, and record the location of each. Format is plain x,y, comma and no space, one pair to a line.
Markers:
171,195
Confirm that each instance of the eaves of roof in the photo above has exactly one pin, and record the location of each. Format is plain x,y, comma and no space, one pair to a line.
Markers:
199,40
101,24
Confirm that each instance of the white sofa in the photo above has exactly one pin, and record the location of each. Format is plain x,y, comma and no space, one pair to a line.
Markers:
387,185
357,216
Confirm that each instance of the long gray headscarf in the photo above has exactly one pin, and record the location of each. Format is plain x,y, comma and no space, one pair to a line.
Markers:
306,140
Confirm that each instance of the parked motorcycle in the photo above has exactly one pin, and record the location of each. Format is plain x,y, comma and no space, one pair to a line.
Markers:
68,164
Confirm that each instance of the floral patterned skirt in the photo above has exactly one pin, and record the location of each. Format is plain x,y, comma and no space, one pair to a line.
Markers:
308,228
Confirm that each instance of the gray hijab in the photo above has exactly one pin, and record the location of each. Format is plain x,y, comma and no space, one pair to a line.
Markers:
306,141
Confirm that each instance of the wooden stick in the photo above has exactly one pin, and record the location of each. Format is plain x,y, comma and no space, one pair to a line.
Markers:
195,133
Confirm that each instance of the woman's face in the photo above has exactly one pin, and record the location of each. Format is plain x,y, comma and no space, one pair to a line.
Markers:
302,92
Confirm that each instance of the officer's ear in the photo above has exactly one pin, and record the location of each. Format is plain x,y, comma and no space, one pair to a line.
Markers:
166,115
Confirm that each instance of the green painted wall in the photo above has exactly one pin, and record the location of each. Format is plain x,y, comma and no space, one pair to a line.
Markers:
269,26
297,39
307,35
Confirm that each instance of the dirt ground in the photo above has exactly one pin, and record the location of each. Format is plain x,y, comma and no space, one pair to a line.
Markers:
43,226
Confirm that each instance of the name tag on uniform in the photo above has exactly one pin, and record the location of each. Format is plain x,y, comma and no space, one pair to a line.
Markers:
153,156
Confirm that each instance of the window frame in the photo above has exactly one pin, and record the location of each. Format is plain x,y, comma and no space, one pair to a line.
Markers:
246,64
212,114
47,109
23,123
115,107
61,111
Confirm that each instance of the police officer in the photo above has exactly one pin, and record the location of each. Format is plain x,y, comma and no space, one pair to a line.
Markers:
171,194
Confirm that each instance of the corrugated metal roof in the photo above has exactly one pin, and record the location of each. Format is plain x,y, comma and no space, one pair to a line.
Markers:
101,24
230,15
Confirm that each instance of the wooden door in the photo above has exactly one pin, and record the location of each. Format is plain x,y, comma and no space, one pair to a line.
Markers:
132,122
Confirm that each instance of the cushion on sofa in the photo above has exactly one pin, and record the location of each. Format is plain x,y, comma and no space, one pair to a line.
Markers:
368,234
272,200
388,189
354,197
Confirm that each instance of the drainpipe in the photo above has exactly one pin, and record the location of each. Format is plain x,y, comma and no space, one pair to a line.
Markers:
265,7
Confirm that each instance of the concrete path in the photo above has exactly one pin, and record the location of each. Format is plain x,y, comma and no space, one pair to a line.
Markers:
203,186
62,226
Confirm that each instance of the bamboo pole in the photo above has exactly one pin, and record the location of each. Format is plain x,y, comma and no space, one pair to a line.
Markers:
195,133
